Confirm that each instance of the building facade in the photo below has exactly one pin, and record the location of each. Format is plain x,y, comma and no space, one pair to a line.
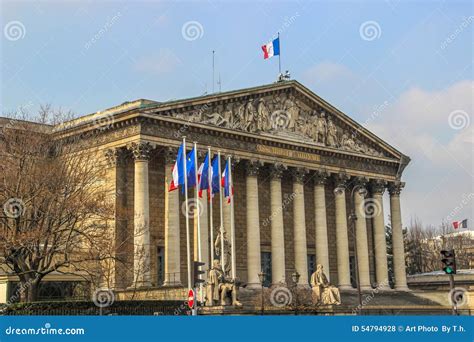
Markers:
308,180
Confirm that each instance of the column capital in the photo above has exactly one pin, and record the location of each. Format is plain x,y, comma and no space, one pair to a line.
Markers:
377,186
276,170
395,188
252,167
360,184
321,177
341,181
140,150
170,155
299,173
115,156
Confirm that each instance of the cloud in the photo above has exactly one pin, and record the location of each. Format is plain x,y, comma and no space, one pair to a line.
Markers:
328,72
164,61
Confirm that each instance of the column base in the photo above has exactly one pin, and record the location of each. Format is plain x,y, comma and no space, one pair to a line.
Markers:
345,287
254,286
140,285
401,288
303,287
172,284
366,288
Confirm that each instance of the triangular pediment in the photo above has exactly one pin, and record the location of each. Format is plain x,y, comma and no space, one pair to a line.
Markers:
287,110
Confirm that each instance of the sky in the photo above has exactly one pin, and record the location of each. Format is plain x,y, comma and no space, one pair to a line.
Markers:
402,69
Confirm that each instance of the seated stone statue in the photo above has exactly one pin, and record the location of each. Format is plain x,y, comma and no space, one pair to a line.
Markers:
219,287
323,292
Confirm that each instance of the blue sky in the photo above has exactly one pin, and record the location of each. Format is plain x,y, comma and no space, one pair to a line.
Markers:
406,82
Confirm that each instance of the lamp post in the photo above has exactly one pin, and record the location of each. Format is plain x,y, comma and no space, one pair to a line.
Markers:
261,277
352,219
295,277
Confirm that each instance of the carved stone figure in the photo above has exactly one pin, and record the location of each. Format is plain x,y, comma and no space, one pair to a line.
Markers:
250,117
347,143
219,287
227,250
323,292
331,134
293,112
263,116
215,118
320,129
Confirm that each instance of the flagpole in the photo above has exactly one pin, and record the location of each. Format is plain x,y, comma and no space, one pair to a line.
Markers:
198,215
279,55
188,246
232,227
221,195
209,191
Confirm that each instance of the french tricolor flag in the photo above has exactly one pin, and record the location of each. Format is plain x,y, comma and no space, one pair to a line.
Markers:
271,49
178,171
226,184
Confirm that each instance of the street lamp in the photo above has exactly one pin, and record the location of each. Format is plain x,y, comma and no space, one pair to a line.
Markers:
261,277
295,276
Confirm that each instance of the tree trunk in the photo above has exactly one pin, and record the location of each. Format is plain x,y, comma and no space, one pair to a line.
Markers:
32,290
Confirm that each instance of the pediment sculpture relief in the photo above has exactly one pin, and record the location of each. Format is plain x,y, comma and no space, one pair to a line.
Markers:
280,114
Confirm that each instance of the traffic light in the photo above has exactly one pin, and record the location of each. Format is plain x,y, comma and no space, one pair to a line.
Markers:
449,261
197,272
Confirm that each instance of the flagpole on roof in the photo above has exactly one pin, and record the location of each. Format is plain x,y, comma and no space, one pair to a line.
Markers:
188,245
279,54
232,227
221,197
209,191
196,196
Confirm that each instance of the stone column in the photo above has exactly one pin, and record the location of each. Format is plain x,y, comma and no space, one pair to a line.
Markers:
362,244
277,231
141,153
380,244
203,213
342,241
322,248
299,226
172,217
253,225
397,236
116,163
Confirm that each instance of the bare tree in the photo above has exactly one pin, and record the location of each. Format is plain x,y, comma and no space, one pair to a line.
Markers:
55,214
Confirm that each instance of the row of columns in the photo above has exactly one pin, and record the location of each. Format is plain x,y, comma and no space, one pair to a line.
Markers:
360,204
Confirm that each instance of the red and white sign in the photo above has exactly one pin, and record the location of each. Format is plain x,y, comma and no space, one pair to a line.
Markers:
191,299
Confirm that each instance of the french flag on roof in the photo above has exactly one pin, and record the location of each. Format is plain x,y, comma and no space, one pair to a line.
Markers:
271,49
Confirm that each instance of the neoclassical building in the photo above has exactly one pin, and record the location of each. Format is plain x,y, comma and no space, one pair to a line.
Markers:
309,183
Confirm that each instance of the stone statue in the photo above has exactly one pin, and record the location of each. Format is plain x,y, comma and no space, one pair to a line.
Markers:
263,116
228,115
219,287
293,112
321,129
250,117
331,134
347,143
227,250
323,292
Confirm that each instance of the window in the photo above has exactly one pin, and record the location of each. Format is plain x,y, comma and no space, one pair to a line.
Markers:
311,265
160,265
266,258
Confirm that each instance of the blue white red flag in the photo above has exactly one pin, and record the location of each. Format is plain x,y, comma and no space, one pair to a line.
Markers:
178,171
191,168
271,49
228,189
203,176
215,178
